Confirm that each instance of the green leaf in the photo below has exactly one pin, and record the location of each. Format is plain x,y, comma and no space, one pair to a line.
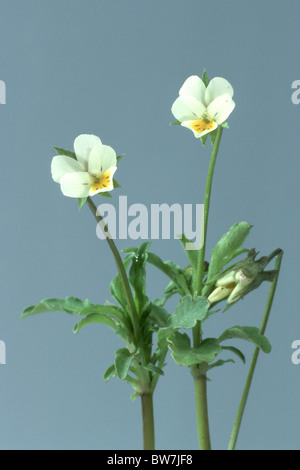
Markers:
249,333
189,311
236,351
159,314
122,362
171,270
192,255
116,285
70,305
137,276
219,363
184,355
109,373
68,153
95,318
152,368
227,248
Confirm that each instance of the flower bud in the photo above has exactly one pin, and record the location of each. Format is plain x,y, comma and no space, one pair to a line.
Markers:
246,276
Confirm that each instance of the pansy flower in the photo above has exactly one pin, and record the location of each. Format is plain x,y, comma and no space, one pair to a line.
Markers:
202,108
90,173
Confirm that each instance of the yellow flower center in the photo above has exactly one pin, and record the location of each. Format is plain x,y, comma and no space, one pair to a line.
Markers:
202,125
101,181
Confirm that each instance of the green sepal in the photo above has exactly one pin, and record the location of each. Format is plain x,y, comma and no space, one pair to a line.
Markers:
175,123
81,202
119,157
205,78
68,153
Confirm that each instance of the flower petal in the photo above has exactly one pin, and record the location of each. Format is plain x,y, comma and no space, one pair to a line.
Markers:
197,134
76,184
220,108
217,86
193,86
187,108
102,157
83,145
105,183
61,164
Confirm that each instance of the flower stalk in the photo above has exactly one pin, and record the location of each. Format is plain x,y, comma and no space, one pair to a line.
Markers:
200,381
120,266
244,397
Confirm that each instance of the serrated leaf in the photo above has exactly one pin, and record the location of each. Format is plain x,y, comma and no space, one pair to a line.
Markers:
227,248
188,312
95,318
248,333
184,355
70,305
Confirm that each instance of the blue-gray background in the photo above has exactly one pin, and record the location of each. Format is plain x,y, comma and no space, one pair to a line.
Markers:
114,68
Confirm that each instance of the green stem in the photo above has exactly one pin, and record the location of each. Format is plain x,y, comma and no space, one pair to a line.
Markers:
202,412
121,268
201,255
242,405
148,421
200,380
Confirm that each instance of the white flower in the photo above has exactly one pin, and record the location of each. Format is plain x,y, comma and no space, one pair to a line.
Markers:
202,109
92,171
